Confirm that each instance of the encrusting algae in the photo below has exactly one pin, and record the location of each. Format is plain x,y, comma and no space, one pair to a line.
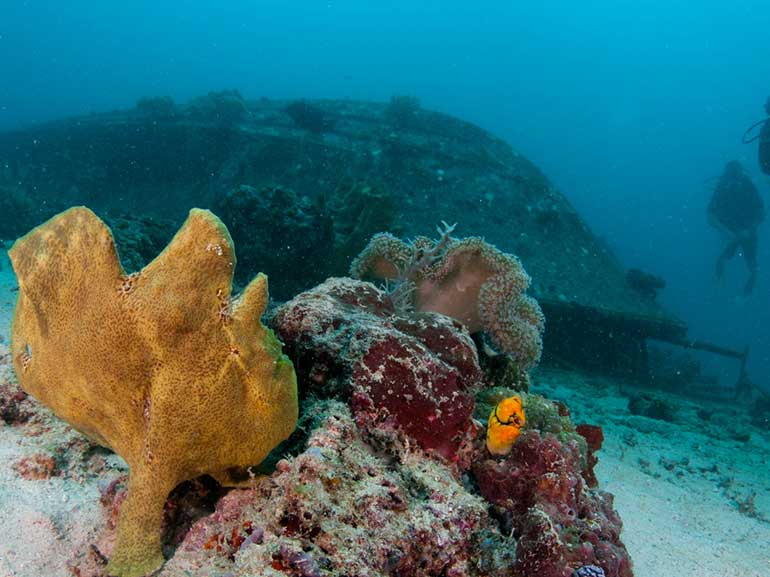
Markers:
504,426
160,366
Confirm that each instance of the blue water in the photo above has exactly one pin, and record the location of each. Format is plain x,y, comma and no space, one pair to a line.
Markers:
628,106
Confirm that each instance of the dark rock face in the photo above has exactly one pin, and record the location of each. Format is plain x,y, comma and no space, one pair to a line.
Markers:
139,238
646,284
15,405
279,233
164,158
18,213
416,168
652,407
414,375
309,117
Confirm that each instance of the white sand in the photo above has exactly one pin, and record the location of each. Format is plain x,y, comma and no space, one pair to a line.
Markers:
680,514
42,522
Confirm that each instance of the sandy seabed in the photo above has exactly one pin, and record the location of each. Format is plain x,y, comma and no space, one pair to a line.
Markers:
694,495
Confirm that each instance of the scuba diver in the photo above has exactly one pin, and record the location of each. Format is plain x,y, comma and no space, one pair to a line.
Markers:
763,137
737,209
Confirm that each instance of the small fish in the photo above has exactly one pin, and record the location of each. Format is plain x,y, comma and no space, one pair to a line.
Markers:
504,426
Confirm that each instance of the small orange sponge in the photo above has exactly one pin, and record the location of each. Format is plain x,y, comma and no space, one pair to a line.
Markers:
504,426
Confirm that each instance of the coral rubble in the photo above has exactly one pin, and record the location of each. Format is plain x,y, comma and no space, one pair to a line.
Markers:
15,406
160,366
342,508
652,407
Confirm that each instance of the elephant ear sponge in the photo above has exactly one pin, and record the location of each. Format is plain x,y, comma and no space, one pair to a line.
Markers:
161,366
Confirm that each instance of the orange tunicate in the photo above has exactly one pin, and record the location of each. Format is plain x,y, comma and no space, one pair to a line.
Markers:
505,423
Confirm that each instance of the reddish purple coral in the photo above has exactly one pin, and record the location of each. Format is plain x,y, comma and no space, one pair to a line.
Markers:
560,523
414,375
594,437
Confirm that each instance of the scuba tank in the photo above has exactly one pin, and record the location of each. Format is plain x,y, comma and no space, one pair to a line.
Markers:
764,147
763,154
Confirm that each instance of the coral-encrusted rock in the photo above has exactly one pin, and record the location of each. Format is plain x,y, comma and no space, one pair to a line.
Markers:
415,374
36,467
340,509
594,437
560,523
16,407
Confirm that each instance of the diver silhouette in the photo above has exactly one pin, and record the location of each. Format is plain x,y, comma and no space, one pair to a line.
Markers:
736,208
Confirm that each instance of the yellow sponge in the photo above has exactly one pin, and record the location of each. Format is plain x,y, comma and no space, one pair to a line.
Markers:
161,366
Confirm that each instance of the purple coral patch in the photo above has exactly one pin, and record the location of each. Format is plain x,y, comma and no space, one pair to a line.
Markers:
399,381
561,522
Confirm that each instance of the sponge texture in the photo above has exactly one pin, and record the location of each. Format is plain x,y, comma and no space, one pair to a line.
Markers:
161,366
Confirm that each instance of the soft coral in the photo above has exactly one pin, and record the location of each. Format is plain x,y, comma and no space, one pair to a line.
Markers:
468,280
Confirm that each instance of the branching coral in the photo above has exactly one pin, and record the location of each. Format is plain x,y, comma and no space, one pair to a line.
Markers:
468,280
161,366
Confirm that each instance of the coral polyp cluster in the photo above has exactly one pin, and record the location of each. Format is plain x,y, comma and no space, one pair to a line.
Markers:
340,508
467,279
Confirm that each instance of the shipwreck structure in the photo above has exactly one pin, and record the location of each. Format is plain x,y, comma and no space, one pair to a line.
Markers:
347,170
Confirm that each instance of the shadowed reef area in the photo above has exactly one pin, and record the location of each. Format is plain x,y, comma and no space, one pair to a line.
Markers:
303,186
